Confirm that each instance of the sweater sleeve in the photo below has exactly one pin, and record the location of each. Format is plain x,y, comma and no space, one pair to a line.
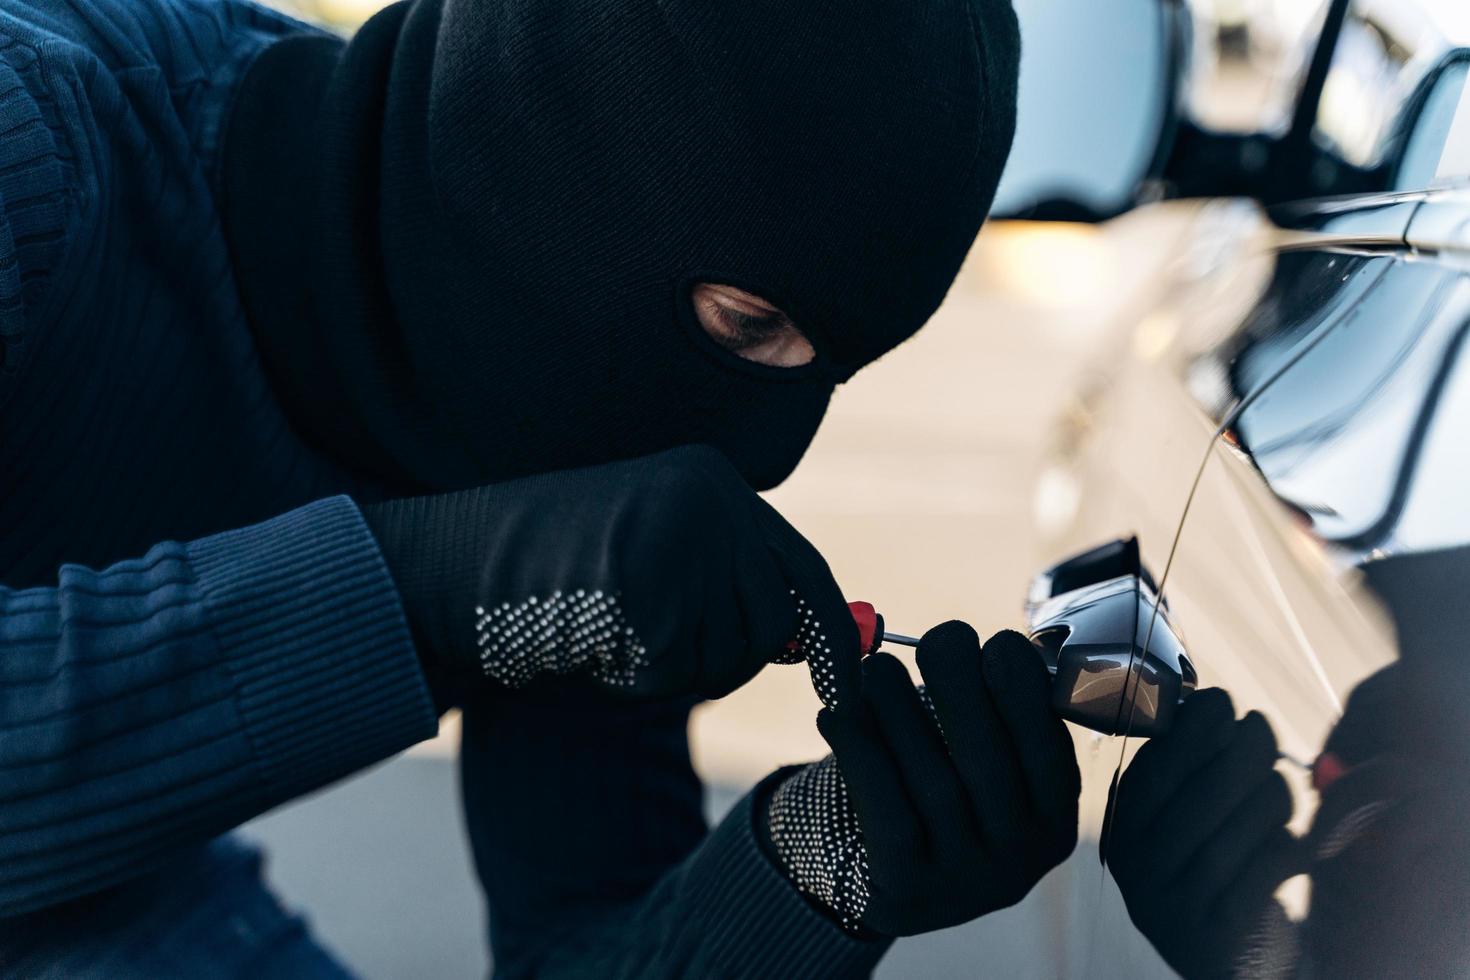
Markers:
154,704
588,834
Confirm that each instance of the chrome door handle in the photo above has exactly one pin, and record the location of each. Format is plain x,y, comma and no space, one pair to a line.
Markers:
1117,667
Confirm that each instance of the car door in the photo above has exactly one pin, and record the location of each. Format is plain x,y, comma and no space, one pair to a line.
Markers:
1327,534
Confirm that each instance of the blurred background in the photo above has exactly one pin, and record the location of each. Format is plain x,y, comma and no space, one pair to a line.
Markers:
921,489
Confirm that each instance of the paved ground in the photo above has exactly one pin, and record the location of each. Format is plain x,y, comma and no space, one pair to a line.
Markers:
918,490
379,865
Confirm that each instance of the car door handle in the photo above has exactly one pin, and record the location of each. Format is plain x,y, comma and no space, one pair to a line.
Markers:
1117,663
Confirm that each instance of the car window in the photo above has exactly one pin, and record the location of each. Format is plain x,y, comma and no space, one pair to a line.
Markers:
1308,292
1340,434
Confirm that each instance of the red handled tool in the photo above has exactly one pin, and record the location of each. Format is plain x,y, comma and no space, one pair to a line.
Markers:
871,634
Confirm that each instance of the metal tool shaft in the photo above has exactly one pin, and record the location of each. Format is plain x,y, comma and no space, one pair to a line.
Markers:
900,639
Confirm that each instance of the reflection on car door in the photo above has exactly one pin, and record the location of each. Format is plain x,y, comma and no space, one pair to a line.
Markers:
1342,456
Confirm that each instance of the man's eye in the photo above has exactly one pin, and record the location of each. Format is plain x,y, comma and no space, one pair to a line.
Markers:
748,326
746,330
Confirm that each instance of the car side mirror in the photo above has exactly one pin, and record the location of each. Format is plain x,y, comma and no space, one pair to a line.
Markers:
1118,666
1104,125
1097,107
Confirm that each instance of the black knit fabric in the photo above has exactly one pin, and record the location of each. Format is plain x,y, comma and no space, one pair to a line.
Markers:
479,268
581,883
663,576
133,409
155,693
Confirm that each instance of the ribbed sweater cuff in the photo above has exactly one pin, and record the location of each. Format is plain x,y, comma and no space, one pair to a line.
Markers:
752,922
325,674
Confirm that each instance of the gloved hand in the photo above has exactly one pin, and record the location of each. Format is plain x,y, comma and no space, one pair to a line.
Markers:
913,825
660,576
1197,842
1391,873
1390,844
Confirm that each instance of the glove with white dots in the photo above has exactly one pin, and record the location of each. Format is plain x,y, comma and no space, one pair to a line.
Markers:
939,804
662,576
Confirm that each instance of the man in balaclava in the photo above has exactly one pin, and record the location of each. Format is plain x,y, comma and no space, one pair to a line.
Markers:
480,331
482,267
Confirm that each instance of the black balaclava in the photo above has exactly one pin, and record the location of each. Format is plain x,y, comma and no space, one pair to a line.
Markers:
466,239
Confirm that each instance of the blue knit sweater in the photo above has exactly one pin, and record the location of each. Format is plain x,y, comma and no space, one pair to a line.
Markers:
154,694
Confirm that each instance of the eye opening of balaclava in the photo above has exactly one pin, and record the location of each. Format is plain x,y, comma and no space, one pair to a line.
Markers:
820,367
501,199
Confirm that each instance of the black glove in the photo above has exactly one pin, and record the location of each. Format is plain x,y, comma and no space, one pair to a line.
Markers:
1391,872
907,828
1390,844
659,576
1196,839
